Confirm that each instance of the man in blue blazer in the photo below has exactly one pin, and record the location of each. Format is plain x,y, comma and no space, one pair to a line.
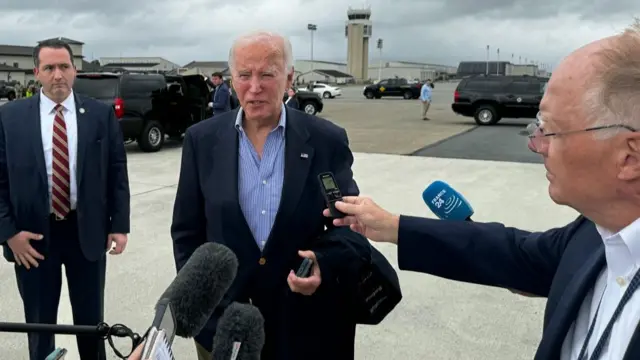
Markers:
588,270
64,198
221,98
249,180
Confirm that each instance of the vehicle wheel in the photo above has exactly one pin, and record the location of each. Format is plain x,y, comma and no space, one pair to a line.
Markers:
408,95
369,94
309,108
152,137
326,95
11,96
486,115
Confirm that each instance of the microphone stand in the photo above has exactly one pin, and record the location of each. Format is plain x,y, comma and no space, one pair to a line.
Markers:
101,330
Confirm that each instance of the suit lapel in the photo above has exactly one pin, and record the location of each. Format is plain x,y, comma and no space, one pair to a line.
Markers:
35,124
84,130
298,156
573,296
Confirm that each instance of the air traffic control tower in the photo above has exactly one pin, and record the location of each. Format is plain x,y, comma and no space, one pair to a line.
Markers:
358,32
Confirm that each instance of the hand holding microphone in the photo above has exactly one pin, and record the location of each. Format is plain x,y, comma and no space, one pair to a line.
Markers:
364,216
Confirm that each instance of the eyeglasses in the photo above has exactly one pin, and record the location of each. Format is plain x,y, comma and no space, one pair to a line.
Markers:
539,141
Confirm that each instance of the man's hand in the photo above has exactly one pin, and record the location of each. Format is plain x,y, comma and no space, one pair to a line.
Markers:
23,252
306,286
367,218
137,353
120,242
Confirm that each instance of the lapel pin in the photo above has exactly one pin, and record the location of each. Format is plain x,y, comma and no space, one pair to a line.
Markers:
304,155
81,110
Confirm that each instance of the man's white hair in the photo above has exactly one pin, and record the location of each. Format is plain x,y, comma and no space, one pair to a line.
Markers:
614,96
279,42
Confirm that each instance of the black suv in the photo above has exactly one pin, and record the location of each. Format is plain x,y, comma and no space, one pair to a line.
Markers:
149,106
490,98
392,87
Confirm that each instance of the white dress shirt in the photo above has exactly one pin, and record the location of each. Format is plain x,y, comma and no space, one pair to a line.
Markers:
622,252
47,115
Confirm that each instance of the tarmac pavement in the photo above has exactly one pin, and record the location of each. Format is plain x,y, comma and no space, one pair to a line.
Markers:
438,319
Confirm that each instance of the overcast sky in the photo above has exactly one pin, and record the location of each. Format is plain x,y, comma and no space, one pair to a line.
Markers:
446,31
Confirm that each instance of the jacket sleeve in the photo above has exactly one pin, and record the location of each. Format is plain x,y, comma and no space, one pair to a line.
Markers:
483,253
188,226
7,223
118,193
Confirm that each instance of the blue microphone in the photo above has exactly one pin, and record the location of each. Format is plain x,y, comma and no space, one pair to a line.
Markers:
446,203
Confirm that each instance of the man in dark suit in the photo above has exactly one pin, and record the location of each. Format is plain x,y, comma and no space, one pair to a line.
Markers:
64,198
221,98
588,269
249,180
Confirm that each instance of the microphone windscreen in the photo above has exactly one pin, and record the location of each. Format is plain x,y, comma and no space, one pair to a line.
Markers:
445,202
240,331
199,287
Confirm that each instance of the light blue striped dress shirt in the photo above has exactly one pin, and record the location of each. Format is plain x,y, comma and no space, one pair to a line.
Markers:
260,179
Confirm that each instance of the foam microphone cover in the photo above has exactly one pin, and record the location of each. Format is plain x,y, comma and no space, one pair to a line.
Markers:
199,287
240,333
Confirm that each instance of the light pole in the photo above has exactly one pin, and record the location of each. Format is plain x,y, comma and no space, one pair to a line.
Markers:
380,59
312,28
498,63
487,60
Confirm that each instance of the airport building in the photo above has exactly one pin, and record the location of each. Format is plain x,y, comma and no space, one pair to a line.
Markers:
142,64
16,61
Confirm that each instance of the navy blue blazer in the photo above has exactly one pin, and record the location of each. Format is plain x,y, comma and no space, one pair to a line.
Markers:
207,209
103,204
561,264
221,99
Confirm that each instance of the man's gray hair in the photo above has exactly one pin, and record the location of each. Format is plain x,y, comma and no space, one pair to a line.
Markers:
614,96
279,43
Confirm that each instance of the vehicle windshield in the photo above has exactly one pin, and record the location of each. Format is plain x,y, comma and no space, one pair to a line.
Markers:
101,87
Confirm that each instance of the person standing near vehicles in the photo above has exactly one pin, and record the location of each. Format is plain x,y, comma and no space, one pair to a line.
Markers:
425,97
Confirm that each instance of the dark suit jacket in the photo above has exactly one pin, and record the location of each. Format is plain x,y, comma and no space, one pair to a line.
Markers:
561,264
293,103
102,178
220,99
207,209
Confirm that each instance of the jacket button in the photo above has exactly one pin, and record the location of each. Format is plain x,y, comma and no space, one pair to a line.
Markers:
262,261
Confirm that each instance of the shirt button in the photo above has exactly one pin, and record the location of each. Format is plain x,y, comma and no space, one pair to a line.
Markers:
264,212
264,182
621,281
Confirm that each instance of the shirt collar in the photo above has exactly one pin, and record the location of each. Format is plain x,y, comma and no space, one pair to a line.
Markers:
281,124
68,104
622,249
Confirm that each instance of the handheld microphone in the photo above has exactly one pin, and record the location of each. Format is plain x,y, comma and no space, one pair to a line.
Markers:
199,287
240,333
446,203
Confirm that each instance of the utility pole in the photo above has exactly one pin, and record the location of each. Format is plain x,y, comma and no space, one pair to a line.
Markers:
380,59
487,60
498,63
312,28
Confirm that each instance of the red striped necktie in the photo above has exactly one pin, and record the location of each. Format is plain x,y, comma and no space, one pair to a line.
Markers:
61,179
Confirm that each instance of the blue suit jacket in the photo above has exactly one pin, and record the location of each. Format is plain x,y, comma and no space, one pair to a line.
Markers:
207,209
220,99
103,184
561,264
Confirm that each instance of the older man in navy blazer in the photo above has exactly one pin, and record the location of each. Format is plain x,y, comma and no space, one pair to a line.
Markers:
249,180
587,133
64,198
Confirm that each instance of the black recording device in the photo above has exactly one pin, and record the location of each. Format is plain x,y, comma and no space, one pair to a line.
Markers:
331,193
305,268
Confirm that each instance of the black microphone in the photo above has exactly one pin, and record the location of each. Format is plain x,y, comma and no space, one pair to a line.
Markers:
199,287
240,333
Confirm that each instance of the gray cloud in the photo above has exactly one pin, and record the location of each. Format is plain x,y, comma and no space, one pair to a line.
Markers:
445,31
